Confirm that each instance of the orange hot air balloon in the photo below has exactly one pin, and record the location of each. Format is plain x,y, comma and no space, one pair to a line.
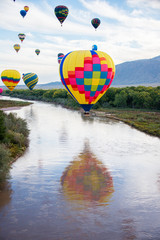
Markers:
26,8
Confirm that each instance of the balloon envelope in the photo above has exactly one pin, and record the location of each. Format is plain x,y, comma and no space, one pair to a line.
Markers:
61,13
23,13
26,8
30,79
87,75
10,78
94,47
60,57
37,51
21,36
1,90
95,22
16,47
86,179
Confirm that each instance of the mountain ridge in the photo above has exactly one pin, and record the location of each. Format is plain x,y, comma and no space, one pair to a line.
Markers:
145,72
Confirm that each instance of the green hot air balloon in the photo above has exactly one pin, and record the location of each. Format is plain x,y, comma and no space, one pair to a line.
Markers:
37,51
95,22
61,13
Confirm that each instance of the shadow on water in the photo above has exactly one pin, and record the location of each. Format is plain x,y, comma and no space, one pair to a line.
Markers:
86,181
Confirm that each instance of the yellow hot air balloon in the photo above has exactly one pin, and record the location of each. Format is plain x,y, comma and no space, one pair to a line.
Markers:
16,47
87,75
26,8
10,78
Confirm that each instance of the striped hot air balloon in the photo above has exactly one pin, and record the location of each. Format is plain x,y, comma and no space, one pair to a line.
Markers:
37,51
61,13
21,36
60,57
16,47
10,78
30,79
87,75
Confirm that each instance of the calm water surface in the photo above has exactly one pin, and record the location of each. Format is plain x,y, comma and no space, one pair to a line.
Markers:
82,178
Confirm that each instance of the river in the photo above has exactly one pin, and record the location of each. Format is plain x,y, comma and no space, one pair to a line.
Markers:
81,178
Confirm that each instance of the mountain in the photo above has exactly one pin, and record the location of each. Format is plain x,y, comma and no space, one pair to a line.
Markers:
51,85
144,72
140,72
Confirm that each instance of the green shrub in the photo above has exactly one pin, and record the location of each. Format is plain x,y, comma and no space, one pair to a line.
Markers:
2,126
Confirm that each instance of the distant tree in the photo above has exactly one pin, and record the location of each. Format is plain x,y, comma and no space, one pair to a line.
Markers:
48,95
60,93
141,99
121,99
108,97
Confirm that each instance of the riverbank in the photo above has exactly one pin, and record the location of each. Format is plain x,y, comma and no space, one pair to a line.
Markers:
145,121
13,137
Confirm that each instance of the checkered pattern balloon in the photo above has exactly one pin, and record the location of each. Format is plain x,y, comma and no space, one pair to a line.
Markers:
87,75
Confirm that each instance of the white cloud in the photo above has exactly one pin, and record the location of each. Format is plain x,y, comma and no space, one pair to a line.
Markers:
144,3
124,34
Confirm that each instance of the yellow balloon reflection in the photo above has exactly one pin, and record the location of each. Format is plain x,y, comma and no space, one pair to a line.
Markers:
87,179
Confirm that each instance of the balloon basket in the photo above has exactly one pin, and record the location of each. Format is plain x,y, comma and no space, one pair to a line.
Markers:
86,114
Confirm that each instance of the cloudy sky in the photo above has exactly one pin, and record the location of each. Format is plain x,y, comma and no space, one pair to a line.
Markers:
129,30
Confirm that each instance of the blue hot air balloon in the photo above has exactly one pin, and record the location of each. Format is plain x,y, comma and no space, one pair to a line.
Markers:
23,13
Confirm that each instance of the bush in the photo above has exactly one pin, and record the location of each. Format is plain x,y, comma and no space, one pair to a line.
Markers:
5,159
2,126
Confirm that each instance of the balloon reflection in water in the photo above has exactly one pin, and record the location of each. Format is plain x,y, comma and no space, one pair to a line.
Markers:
86,179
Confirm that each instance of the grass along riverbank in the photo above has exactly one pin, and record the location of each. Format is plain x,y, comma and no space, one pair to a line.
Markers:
145,121
13,138
9,103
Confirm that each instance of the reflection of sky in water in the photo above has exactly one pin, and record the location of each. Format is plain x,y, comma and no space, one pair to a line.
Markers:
37,205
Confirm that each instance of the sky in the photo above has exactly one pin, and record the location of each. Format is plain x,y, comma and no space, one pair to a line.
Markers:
129,30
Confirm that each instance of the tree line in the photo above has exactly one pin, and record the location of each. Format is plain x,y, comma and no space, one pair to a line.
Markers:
128,97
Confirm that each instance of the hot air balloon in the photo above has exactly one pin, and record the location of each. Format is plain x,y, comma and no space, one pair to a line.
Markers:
94,47
37,51
61,13
26,8
60,56
86,180
30,79
1,90
21,36
87,75
23,13
16,47
95,22
10,78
